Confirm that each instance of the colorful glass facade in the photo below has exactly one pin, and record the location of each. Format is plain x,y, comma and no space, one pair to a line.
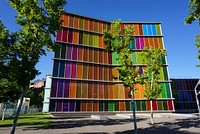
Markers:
82,79
184,94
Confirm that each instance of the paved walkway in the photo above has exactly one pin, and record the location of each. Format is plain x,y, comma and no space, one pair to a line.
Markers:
117,124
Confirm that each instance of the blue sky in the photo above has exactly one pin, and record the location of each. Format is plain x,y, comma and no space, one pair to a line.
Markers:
179,38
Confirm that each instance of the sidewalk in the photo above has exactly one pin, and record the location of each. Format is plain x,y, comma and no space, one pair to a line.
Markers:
117,124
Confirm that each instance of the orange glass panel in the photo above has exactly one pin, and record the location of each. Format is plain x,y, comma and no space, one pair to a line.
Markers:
105,57
140,29
141,90
106,70
100,41
137,94
110,92
89,106
66,22
96,91
79,70
136,29
100,27
62,18
121,91
100,56
90,75
83,105
156,42
71,21
96,56
148,105
80,54
90,90
110,74
91,56
101,88
86,24
76,35
122,28
106,91
95,106
91,25
86,54
116,91
127,89
96,72
161,43
151,42
76,20
101,71
73,89
122,105
115,73
146,42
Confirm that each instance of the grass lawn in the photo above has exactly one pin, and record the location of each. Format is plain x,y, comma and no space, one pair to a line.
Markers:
39,119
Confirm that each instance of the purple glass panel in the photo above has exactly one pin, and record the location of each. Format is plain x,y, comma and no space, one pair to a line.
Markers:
74,70
64,35
75,53
66,90
142,42
65,106
59,106
69,52
54,88
59,35
60,88
70,36
72,106
137,43
68,70
140,70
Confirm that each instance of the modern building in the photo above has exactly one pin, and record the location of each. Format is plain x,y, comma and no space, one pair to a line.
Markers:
82,78
184,94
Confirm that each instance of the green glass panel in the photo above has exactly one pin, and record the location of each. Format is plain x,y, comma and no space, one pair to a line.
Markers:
111,105
161,74
90,40
133,44
165,73
139,57
86,39
138,106
63,51
105,105
160,107
165,106
128,105
168,90
100,105
81,23
134,58
163,90
158,29
85,71
143,105
96,40
57,53
78,90
114,58
163,60
116,105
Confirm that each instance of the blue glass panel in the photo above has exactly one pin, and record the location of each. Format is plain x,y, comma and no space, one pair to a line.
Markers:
144,27
55,68
62,69
154,29
149,29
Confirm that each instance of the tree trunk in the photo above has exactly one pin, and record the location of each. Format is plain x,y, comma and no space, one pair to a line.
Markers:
152,121
133,108
18,110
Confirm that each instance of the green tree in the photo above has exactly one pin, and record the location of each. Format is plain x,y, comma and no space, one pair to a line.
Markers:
39,21
194,14
152,59
118,41
8,60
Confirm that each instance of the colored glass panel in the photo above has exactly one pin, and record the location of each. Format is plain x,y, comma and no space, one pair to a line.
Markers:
158,29
73,89
67,88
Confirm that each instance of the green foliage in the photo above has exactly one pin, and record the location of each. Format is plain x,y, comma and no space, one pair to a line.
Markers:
194,14
118,40
152,59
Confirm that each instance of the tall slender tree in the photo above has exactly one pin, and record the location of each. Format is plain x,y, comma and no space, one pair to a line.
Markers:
152,59
39,21
118,40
